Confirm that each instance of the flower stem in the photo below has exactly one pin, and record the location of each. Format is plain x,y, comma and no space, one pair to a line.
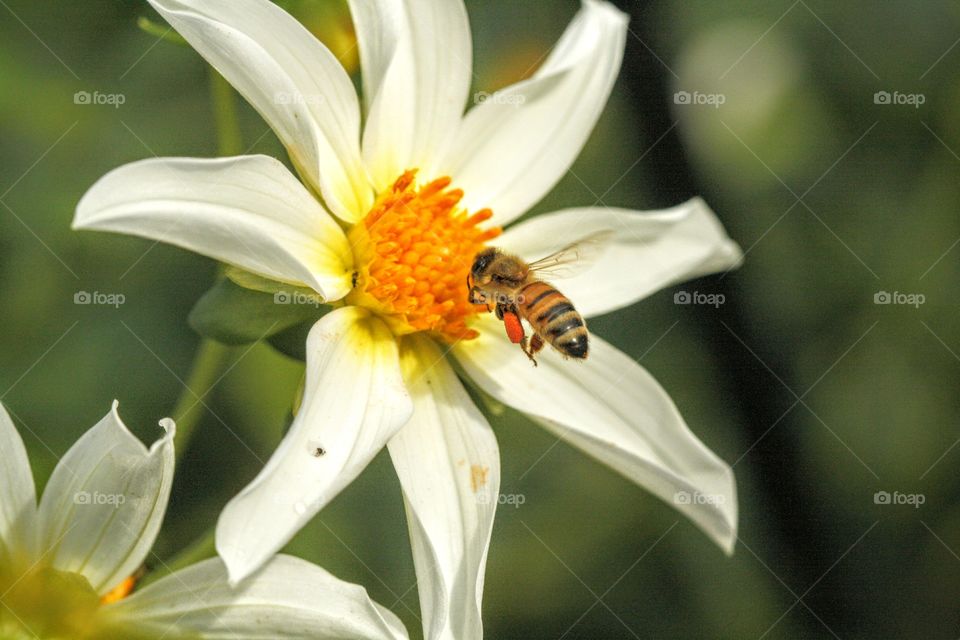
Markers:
211,356
210,360
200,549
161,31
229,141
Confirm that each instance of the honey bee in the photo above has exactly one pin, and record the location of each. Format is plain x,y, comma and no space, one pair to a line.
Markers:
517,293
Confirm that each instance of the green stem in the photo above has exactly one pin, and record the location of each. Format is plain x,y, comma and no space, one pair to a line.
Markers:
229,141
211,357
200,549
161,31
210,360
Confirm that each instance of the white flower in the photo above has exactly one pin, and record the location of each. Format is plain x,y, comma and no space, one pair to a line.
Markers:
386,228
66,566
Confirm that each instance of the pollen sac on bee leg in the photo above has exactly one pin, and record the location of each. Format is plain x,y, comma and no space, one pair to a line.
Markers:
514,327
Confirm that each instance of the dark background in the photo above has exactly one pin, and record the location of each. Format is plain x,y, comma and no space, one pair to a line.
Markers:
816,395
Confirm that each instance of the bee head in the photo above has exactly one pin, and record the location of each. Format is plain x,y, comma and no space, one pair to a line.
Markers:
481,263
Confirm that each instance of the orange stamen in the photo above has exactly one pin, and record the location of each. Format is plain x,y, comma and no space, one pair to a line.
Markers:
414,250
120,591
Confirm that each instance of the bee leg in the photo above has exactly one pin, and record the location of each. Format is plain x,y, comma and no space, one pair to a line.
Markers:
525,346
531,347
536,343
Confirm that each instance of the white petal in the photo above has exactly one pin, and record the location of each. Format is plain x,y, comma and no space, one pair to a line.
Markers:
379,25
354,401
18,498
247,211
614,410
102,509
417,65
512,149
449,466
289,598
647,251
293,80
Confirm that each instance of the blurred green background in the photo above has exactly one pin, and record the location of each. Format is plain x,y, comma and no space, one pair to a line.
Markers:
818,396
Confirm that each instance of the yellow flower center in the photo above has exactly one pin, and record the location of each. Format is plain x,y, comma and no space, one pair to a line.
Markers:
39,601
413,252
47,603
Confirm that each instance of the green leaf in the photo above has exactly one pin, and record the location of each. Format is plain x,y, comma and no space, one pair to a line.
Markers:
232,314
292,341
249,280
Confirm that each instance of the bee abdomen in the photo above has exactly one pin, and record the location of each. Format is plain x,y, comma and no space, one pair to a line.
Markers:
553,313
576,347
554,317
568,333
537,297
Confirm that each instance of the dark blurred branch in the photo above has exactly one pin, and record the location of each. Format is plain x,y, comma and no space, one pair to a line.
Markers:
773,464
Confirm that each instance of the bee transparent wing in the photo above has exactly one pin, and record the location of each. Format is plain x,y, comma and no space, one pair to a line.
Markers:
573,258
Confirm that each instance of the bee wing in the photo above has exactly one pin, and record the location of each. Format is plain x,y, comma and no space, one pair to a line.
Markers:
573,258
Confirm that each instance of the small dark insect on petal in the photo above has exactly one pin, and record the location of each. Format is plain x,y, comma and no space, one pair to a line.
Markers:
319,452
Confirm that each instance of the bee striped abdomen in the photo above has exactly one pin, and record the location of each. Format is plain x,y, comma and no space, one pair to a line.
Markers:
554,317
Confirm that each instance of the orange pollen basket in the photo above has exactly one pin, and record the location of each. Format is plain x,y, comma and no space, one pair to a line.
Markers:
414,251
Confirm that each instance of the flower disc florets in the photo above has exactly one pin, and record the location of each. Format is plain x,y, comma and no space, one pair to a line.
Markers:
413,253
